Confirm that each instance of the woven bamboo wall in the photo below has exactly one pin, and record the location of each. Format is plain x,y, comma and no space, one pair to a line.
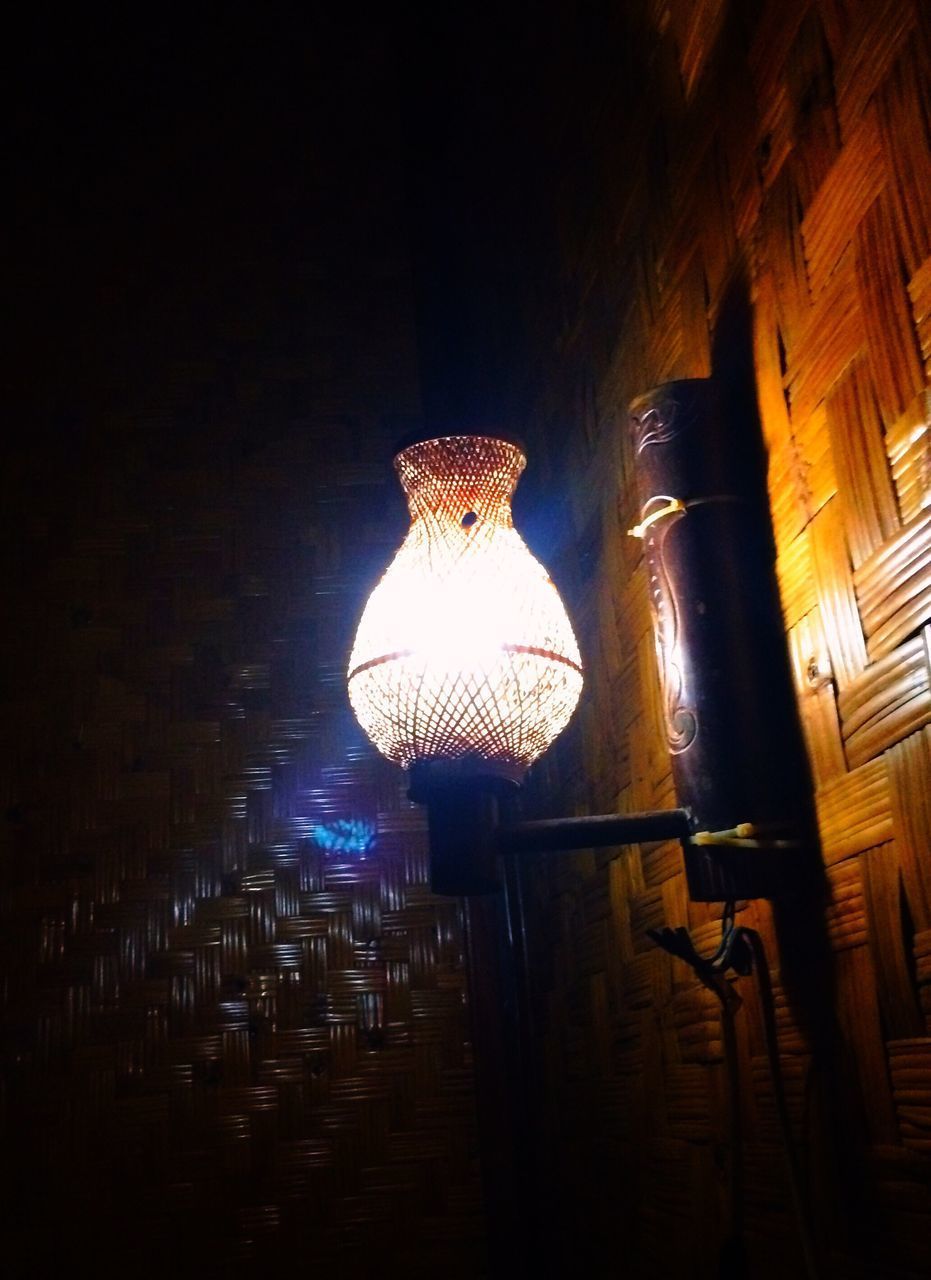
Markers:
786,145
229,1048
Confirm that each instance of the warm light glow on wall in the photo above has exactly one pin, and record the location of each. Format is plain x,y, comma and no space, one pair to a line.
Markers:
464,649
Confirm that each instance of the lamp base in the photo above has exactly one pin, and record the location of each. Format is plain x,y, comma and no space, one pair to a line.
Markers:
465,800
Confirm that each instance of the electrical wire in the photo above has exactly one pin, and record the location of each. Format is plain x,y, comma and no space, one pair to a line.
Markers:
742,951
793,1167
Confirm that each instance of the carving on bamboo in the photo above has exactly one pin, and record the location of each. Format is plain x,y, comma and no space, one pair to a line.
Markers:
658,423
681,720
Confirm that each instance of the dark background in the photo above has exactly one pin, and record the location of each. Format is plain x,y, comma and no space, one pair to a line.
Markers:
249,249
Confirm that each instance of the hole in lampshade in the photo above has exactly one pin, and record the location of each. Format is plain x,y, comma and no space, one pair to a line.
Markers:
469,519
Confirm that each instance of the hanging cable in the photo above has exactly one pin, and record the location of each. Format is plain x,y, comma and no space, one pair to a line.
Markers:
742,951
790,1152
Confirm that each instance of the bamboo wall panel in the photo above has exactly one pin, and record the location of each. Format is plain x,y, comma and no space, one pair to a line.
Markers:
235,1031
232,1026
795,165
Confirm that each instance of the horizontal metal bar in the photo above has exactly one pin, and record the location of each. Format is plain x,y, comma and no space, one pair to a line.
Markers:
594,831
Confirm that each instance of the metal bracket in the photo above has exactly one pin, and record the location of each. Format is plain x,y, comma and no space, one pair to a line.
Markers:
470,828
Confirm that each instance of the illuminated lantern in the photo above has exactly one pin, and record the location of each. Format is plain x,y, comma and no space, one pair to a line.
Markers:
464,653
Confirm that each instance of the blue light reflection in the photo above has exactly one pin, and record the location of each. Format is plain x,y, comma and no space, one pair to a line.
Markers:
345,835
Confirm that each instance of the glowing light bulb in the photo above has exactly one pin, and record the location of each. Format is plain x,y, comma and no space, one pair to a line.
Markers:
464,649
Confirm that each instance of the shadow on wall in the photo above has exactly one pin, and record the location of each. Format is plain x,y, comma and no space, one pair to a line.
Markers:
807,972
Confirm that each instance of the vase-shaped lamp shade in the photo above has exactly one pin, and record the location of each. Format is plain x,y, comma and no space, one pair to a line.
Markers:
464,651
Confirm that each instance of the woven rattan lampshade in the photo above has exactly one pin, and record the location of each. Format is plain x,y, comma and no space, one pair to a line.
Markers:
464,650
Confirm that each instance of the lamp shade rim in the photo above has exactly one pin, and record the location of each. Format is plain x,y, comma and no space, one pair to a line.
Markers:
437,773
424,435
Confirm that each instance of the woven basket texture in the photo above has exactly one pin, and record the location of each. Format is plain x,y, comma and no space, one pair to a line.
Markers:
464,648
788,143
236,1039
236,1029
